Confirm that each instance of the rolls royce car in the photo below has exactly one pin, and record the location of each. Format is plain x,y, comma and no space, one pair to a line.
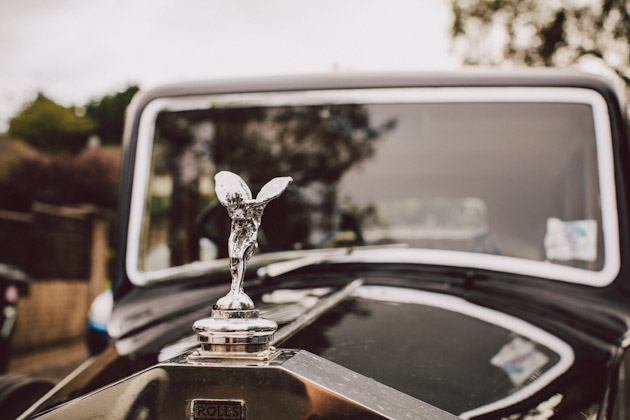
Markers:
432,246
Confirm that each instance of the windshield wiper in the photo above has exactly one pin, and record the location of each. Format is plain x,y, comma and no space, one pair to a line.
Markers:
283,267
315,312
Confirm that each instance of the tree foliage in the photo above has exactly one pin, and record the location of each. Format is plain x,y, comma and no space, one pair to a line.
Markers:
316,145
544,33
108,114
50,127
44,172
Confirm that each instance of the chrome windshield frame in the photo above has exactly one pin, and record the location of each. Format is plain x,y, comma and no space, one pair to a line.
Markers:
571,95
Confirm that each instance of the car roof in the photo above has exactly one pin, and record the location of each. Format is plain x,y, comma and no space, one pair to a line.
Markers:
361,80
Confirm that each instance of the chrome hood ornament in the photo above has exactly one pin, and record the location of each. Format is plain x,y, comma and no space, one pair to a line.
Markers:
234,329
246,214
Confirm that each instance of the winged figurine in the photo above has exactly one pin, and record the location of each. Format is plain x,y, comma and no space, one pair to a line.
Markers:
246,214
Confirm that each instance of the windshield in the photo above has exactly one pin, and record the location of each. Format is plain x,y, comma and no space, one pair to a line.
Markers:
505,177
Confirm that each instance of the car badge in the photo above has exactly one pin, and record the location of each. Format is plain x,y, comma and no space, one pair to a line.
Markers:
217,409
235,329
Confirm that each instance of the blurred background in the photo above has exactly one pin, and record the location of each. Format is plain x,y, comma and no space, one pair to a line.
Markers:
69,69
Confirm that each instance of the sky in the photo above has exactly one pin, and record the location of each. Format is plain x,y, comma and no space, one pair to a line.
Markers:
78,50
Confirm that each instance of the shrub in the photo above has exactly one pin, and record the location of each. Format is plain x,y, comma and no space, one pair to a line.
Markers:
12,152
89,177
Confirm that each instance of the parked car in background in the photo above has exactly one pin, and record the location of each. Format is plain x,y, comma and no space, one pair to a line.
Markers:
98,316
450,245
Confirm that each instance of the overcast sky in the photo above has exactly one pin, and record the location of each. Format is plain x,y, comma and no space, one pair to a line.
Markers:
77,50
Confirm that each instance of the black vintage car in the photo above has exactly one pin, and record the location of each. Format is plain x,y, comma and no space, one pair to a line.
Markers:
451,245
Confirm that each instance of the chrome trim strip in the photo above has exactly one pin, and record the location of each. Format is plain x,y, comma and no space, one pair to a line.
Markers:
605,160
357,389
456,304
71,376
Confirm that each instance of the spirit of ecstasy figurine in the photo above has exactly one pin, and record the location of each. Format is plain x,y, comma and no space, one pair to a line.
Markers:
246,214
234,329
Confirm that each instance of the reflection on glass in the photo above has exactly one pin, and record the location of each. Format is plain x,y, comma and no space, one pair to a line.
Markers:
474,177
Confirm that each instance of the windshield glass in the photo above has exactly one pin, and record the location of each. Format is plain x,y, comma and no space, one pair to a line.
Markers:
507,178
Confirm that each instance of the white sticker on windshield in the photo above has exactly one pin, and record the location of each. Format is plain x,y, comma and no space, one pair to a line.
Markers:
572,240
519,359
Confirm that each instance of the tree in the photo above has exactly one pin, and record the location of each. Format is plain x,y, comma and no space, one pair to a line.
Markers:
544,33
51,127
108,114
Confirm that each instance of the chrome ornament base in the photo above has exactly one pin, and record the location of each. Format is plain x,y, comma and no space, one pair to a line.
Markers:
234,331
216,356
